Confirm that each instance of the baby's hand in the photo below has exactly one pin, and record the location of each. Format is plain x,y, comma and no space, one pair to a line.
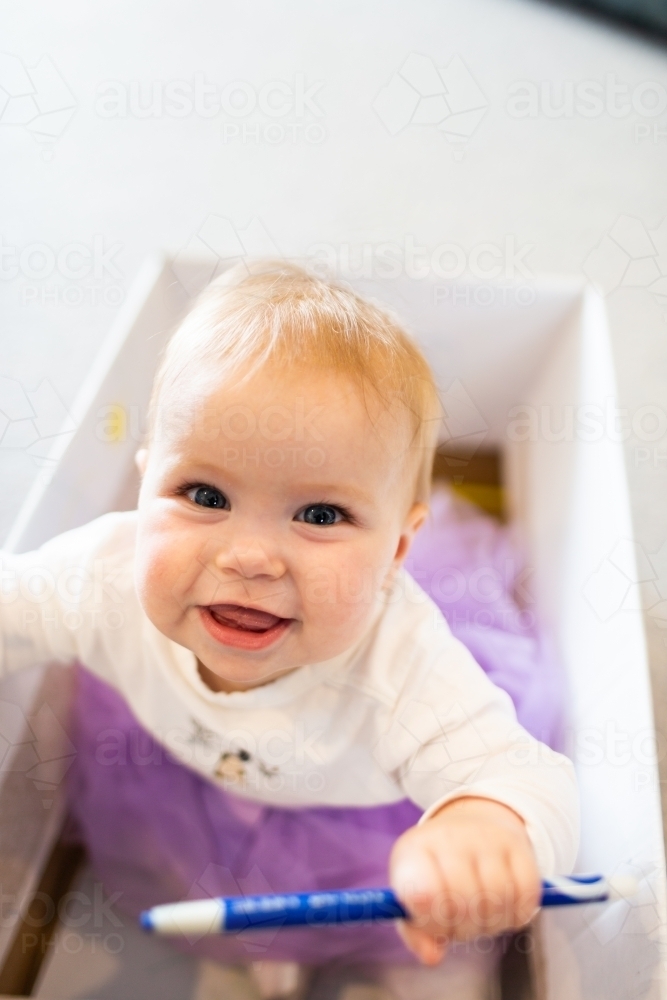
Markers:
468,870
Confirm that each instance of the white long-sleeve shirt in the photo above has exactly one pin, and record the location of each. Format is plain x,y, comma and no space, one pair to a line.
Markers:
405,712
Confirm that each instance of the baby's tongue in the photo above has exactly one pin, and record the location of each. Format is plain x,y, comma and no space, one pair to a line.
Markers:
250,619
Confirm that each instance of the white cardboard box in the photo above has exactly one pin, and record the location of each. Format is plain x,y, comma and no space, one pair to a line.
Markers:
546,350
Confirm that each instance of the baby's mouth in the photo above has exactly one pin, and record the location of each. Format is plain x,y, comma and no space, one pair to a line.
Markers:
247,619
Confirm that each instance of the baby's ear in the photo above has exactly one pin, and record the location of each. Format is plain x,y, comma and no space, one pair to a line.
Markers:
140,460
416,516
414,519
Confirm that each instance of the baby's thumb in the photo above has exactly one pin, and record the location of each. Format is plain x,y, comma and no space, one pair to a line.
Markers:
415,878
426,948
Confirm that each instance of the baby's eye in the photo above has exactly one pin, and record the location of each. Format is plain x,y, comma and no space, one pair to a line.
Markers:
320,513
207,496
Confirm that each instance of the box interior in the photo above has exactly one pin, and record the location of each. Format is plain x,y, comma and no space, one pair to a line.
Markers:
567,496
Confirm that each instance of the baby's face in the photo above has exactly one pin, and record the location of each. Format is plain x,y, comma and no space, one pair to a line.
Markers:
271,516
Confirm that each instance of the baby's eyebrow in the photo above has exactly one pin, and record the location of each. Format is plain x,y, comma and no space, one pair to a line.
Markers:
316,490
329,491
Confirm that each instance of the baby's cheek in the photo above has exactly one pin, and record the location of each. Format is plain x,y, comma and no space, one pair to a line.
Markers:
338,593
150,580
159,576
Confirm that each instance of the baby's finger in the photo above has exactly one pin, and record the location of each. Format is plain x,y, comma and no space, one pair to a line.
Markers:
528,887
427,949
492,911
452,914
416,879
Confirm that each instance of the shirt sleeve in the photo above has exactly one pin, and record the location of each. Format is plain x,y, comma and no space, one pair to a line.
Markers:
57,601
452,733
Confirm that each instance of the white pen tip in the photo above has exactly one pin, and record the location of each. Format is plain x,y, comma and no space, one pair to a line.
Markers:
622,887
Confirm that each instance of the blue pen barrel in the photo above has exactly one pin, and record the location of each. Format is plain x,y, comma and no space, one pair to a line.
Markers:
309,909
572,889
335,906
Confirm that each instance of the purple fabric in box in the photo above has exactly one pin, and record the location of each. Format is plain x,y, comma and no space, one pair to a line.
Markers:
474,570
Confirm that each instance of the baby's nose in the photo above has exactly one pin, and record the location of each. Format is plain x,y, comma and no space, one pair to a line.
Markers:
250,557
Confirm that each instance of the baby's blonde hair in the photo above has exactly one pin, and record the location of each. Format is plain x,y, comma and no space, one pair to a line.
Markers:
274,311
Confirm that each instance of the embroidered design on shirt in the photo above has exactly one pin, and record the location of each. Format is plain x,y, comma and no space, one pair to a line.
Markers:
203,736
231,764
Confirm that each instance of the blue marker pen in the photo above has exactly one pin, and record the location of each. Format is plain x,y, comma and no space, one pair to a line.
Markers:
225,915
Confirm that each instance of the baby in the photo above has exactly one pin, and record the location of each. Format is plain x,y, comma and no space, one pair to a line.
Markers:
265,632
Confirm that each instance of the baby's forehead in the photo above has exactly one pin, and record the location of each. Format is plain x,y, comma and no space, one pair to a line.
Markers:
309,424
278,402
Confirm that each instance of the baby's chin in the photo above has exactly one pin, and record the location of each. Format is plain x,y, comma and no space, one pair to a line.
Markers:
236,670
227,679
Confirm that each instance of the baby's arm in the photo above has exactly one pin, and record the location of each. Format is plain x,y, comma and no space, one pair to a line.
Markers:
57,601
501,808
